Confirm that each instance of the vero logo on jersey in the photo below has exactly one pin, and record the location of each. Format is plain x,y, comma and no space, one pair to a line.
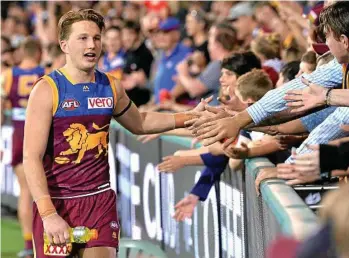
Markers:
70,104
100,103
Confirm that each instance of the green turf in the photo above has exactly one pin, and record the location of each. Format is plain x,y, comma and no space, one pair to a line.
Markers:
11,238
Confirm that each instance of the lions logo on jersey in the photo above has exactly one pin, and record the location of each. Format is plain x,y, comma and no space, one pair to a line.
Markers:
80,141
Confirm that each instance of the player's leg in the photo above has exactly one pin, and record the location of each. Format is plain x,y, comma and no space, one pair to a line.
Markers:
99,212
24,210
100,252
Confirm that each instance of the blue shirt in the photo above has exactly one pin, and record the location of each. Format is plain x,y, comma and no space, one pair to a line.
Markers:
314,119
115,65
215,166
330,76
167,69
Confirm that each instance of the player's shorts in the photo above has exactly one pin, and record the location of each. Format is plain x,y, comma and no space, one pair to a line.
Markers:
17,147
95,212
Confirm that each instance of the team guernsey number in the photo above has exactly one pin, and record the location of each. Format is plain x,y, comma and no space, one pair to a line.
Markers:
25,84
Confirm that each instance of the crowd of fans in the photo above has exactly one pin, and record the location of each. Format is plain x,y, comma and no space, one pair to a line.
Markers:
171,56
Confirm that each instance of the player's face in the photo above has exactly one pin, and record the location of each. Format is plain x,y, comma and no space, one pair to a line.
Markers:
84,45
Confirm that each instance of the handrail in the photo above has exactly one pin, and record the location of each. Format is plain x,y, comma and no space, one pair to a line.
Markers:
293,215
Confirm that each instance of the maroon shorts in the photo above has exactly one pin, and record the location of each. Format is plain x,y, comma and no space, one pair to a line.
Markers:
17,147
95,212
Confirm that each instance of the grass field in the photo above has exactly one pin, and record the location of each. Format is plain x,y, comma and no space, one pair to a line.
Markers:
11,238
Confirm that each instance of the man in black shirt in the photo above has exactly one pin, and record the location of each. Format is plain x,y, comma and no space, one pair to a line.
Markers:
138,61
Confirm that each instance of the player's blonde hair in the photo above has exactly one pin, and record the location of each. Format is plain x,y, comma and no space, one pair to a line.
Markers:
71,17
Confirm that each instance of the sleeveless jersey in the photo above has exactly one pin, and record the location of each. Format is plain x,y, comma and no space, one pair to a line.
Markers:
18,85
76,158
115,65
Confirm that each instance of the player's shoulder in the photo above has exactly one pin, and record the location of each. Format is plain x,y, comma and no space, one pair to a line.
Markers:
42,83
105,78
42,91
115,85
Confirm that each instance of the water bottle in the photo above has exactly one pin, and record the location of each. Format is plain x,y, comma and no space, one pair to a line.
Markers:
80,235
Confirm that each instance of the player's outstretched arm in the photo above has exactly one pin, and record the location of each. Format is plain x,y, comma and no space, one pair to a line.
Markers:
36,133
127,114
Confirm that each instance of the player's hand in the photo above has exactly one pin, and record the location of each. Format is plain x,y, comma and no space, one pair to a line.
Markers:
171,164
311,97
215,131
56,229
185,208
205,117
265,173
211,114
148,137
237,152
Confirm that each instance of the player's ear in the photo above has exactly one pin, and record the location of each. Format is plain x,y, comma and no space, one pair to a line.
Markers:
64,46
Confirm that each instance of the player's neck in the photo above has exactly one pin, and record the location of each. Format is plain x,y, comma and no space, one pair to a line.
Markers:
28,63
78,76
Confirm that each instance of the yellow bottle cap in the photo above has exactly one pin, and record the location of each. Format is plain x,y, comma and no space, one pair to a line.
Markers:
94,234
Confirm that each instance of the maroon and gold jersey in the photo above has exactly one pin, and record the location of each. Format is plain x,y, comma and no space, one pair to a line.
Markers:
76,159
18,85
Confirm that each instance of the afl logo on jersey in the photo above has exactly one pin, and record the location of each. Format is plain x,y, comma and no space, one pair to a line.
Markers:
70,104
